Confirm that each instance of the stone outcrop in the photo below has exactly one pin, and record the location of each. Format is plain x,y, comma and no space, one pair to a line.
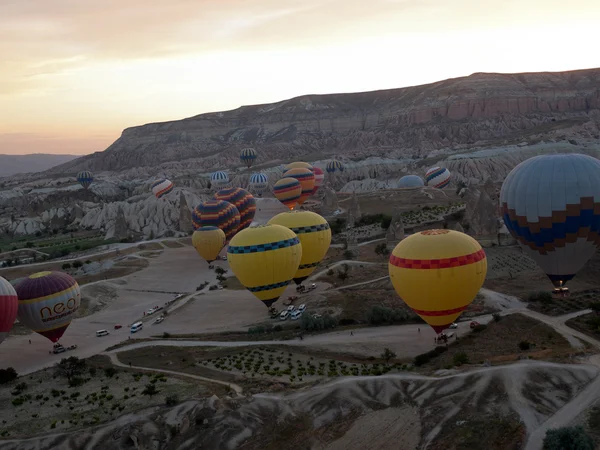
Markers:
482,217
395,232
119,230
353,213
185,215
329,204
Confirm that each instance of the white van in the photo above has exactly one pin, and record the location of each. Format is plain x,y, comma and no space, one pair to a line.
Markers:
295,314
101,333
137,327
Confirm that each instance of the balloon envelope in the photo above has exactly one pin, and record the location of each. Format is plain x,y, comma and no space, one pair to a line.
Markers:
438,273
265,259
315,237
85,178
298,165
208,242
258,182
219,179
410,181
248,156
217,213
319,178
243,201
551,206
160,188
334,166
306,179
48,302
9,304
288,191
437,177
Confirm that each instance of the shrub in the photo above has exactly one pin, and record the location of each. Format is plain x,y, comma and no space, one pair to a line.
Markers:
541,296
171,400
330,272
424,358
460,358
110,372
66,266
150,390
166,335
496,317
381,315
76,381
92,371
479,328
572,438
524,345
310,323
7,375
77,264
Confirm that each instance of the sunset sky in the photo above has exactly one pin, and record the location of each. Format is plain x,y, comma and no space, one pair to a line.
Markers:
74,73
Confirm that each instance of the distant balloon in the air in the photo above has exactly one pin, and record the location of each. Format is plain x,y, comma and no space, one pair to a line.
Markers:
160,188
288,191
319,178
315,237
248,156
410,181
219,179
258,183
85,178
437,177
334,166
265,259
298,165
9,304
217,213
243,201
48,302
307,180
551,206
438,273
208,242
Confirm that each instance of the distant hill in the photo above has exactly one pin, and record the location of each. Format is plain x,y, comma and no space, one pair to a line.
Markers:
36,162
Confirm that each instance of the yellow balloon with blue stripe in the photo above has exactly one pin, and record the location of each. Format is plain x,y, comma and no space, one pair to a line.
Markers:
208,242
315,237
265,259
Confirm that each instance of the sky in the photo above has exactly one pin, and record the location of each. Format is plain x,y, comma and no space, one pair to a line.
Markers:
75,73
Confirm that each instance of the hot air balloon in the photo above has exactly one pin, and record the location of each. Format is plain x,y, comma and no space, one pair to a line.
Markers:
85,178
319,178
298,165
438,273
410,181
265,259
258,183
288,191
243,201
9,304
437,177
48,302
208,242
248,156
314,234
306,179
219,179
334,166
217,213
160,188
550,205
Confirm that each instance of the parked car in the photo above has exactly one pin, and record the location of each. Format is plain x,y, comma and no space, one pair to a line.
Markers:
101,333
58,348
159,319
118,327
302,308
291,308
150,311
453,326
295,315
284,314
473,324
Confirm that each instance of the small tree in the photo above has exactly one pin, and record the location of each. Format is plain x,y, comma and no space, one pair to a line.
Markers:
387,355
171,400
568,438
220,270
77,264
150,390
70,367
66,266
7,375
460,358
595,307
382,249
348,254
496,317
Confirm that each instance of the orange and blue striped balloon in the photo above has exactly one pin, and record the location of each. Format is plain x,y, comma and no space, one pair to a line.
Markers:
288,191
307,180
217,213
243,200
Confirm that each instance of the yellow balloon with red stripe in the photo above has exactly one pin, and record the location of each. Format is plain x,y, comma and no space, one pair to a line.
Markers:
306,177
315,237
438,273
264,259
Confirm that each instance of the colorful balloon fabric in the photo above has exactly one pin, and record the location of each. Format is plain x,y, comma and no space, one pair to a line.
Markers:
243,201
248,156
208,242
258,183
410,181
265,259
438,273
48,302
161,188
298,165
9,305
551,206
315,237
334,166
319,178
85,178
306,179
437,177
288,191
217,213
219,179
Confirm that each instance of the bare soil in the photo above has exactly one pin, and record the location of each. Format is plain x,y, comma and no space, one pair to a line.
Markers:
119,270
172,244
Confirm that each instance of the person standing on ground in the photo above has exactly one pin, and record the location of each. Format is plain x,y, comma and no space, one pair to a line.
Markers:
351,333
